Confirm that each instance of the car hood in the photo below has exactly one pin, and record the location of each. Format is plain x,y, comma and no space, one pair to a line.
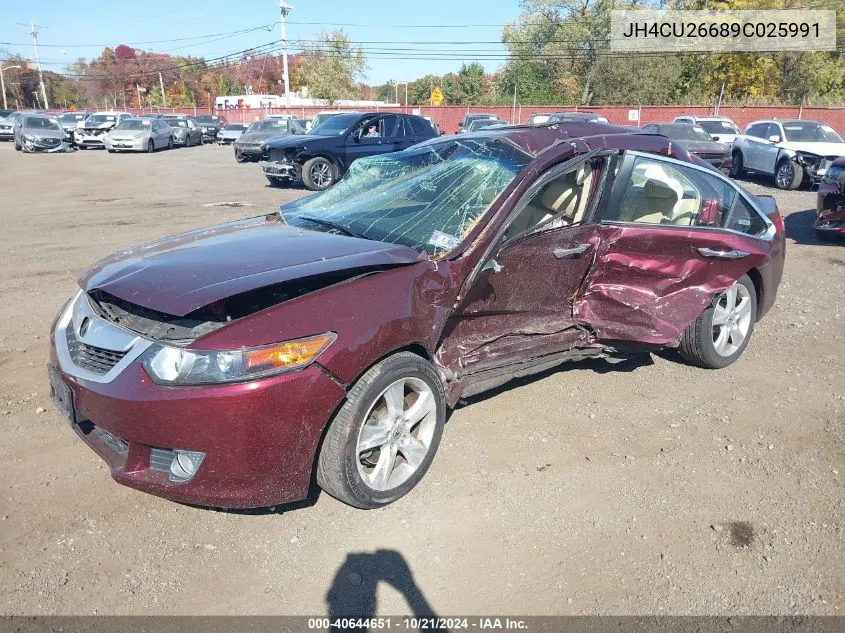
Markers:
820,149
60,134
99,126
297,140
183,273
697,147
258,137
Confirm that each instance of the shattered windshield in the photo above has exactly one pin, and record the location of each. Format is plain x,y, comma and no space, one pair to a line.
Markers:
41,123
810,132
176,122
427,197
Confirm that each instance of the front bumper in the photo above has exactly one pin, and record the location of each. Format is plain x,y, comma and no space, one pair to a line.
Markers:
44,145
123,145
6,134
83,140
259,438
830,208
250,152
273,169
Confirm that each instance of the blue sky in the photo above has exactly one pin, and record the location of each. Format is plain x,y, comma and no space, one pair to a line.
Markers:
73,30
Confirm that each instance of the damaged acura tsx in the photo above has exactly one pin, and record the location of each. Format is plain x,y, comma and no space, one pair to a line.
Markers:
230,366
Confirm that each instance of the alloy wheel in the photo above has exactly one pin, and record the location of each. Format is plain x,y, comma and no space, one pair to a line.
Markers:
397,434
784,175
731,319
321,174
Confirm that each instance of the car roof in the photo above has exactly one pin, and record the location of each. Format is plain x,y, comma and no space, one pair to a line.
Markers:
535,139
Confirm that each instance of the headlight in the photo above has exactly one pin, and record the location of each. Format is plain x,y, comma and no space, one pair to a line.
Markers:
175,366
835,173
29,137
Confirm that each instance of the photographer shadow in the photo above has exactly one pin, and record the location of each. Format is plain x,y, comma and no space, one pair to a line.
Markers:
353,593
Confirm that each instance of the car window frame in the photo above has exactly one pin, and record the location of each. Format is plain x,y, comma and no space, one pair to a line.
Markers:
619,187
552,172
762,135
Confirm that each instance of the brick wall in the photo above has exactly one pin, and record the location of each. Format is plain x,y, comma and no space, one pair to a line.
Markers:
448,117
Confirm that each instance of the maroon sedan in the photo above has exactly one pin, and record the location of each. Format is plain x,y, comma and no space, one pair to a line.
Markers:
228,366
830,208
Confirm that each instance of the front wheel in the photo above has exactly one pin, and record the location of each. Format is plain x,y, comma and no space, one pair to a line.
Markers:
170,143
788,175
239,157
720,335
383,440
737,166
151,146
318,174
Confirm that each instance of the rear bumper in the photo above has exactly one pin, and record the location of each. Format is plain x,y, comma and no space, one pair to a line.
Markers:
259,438
830,208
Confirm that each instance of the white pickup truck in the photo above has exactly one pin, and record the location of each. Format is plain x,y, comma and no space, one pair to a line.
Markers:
793,152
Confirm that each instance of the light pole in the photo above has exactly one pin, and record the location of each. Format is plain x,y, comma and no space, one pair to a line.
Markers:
3,83
285,8
406,92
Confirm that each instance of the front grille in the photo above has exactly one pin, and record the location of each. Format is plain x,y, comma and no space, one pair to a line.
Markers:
711,156
96,359
49,142
119,446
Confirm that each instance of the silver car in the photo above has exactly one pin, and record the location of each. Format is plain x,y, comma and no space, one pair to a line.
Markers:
185,130
70,121
231,133
139,135
39,133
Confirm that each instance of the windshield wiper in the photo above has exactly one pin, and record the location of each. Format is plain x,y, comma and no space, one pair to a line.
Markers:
333,225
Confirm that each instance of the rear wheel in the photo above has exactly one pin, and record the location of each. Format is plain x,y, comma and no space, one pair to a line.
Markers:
737,166
788,175
318,174
383,440
720,335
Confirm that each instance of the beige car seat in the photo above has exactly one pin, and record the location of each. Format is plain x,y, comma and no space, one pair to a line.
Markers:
565,196
653,204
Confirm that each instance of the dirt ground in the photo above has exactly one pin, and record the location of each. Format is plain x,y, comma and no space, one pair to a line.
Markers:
650,487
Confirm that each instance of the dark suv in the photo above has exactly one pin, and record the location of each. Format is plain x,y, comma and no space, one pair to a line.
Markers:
321,157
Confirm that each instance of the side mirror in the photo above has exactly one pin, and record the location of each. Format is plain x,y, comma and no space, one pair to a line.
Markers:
774,138
492,265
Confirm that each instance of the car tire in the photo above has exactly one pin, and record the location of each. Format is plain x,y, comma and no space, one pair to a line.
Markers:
721,333
187,140
151,146
737,166
239,157
788,175
18,148
370,471
318,174
170,143
111,151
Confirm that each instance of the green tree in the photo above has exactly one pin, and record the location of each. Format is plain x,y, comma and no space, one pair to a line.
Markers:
331,68
470,90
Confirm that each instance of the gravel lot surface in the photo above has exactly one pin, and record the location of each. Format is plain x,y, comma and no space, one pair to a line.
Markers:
649,487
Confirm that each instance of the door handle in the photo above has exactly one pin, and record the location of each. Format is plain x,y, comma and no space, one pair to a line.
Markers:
575,251
727,254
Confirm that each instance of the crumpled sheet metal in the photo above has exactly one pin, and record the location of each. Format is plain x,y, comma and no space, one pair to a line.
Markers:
30,147
650,298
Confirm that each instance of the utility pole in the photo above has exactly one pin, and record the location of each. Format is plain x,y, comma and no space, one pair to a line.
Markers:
3,83
161,85
285,8
34,34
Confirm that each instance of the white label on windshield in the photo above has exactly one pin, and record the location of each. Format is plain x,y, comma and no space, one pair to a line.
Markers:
144,122
443,240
